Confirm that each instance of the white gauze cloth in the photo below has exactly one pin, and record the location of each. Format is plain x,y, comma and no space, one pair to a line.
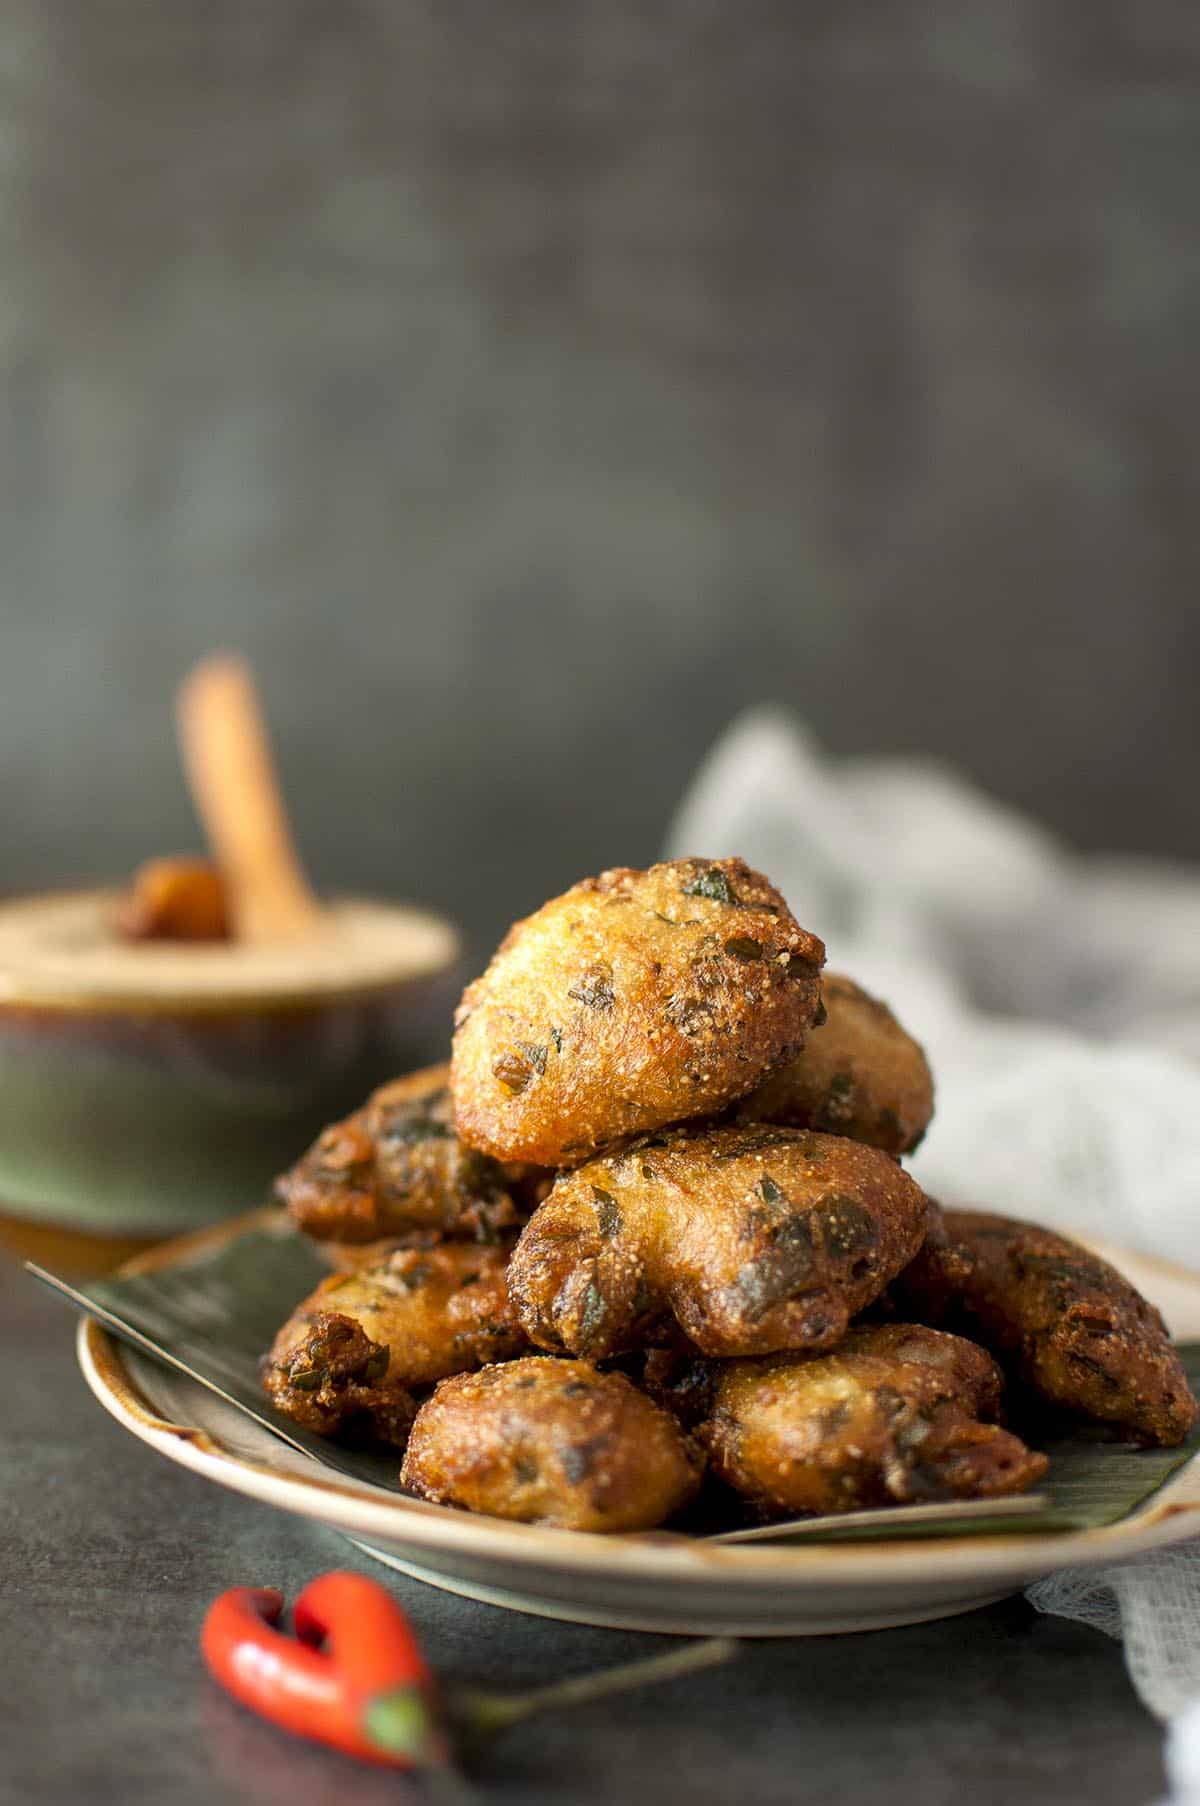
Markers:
1058,999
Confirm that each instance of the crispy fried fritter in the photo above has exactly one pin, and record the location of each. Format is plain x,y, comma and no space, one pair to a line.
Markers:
685,1382
551,1442
1066,1324
859,1074
433,1311
336,1378
889,1417
357,1257
395,1167
752,1239
634,1000
967,1368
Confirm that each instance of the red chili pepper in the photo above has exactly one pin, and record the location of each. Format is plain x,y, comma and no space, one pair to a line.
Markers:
353,1675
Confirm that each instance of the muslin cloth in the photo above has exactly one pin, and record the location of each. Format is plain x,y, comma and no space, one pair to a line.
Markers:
1058,999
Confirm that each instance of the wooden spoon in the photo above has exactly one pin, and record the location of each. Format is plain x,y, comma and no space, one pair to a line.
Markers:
231,775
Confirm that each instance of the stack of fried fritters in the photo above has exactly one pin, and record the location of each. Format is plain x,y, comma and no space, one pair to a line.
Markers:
652,1223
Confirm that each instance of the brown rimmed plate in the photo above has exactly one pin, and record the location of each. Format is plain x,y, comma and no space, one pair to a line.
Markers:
661,1581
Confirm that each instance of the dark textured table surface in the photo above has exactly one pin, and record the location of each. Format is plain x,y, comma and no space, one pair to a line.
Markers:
110,1556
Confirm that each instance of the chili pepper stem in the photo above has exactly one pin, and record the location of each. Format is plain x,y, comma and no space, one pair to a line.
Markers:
401,1724
479,1716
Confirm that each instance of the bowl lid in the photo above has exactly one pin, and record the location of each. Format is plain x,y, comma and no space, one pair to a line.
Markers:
59,950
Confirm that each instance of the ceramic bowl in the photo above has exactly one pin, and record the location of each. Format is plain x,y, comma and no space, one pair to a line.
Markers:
149,1087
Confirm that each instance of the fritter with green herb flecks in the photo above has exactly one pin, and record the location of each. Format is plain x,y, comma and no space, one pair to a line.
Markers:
551,1442
356,1257
433,1311
634,1000
892,1416
752,1239
684,1382
528,1187
859,1074
335,1378
1067,1326
396,1167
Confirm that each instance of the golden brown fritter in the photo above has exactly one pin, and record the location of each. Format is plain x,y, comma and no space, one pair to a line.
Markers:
752,1239
395,1167
1064,1322
551,1442
434,1311
634,1000
966,1368
335,1378
357,1257
684,1382
889,1417
859,1074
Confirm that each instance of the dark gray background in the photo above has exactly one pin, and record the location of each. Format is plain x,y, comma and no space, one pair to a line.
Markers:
528,387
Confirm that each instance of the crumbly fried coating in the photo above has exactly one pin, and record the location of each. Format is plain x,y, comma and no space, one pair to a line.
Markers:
635,1000
752,1239
1063,1322
357,1257
684,1382
335,1378
551,1442
434,1311
859,1074
892,1416
354,1257
396,1166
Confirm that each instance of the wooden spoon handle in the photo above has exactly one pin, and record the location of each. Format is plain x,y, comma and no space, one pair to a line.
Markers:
231,775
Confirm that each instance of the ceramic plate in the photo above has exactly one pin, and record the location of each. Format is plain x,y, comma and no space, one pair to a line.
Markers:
660,1581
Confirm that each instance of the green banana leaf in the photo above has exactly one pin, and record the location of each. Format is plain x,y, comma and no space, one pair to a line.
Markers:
213,1314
